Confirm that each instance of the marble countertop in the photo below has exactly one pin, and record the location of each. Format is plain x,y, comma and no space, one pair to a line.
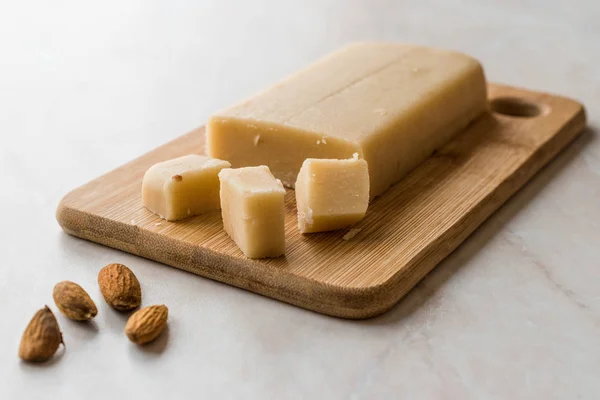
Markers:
85,87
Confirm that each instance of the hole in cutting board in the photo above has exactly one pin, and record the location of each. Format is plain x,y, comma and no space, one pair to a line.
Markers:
515,107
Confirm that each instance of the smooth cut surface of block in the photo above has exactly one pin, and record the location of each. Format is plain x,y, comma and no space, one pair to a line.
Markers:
183,187
252,201
331,194
392,104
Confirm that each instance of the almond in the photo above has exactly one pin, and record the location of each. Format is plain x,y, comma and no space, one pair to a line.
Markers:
147,324
73,301
41,337
120,287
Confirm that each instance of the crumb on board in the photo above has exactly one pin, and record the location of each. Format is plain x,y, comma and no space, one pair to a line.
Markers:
158,224
133,222
351,233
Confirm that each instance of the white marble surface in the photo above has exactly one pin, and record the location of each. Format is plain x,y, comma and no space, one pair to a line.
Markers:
86,86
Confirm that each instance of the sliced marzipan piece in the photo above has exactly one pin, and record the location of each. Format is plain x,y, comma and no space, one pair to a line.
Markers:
183,187
331,194
252,202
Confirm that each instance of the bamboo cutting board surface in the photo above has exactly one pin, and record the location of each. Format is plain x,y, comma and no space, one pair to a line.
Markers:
353,273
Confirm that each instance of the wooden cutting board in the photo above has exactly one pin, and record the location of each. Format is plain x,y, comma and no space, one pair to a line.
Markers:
353,273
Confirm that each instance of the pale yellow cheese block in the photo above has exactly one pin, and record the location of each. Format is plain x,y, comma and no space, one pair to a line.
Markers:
392,104
252,202
183,187
331,194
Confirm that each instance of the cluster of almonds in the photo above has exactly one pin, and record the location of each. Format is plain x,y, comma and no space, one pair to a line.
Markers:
121,290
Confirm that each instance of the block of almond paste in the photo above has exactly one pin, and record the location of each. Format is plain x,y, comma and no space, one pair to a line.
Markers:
331,194
183,187
252,205
393,104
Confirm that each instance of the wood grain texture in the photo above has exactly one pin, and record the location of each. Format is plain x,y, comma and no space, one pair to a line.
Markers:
406,232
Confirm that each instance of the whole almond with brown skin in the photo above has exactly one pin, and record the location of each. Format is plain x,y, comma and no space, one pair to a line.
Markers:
41,337
147,324
73,301
120,287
